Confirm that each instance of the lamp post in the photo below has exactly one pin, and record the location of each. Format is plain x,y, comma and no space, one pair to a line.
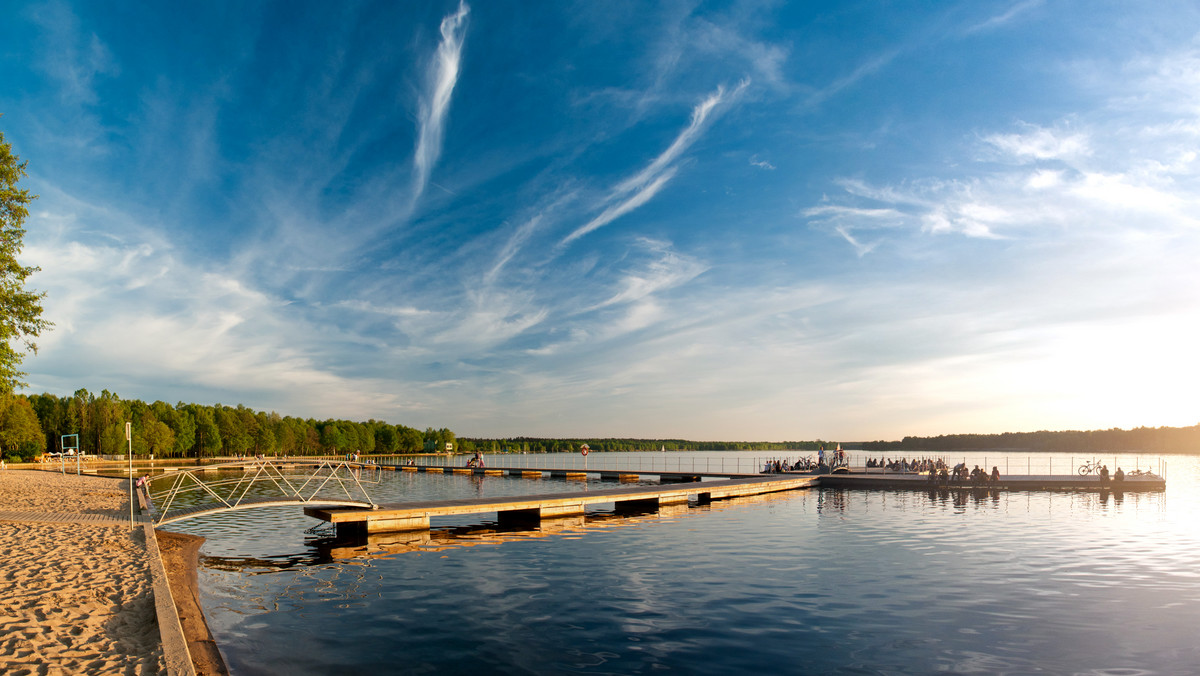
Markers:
129,440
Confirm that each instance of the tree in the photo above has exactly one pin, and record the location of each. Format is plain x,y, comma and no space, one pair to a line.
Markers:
386,439
411,440
264,436
20,308
153,437
237,436
20,433
208,435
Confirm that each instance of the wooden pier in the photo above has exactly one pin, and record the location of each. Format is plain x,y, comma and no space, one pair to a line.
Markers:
410,516
1065,482
674,488
664,475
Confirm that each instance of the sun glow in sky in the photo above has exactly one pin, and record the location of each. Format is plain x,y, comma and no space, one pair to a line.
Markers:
701,220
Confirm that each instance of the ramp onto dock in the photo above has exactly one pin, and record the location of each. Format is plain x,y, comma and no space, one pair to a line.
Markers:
409,516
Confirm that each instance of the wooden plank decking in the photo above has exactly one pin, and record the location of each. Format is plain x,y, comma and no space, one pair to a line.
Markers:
415,515
66,517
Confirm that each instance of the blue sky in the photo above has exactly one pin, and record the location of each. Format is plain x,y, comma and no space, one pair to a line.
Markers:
731,220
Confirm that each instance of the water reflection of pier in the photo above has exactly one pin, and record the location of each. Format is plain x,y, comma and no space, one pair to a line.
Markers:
383,545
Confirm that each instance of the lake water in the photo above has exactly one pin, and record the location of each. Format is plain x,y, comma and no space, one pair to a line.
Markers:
814,581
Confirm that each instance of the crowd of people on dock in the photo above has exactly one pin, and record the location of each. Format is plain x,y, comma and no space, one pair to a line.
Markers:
777,465
905,465
824,462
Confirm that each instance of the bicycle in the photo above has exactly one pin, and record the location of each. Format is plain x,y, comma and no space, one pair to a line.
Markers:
1091,467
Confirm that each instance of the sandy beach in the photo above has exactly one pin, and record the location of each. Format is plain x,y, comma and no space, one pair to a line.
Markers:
77,593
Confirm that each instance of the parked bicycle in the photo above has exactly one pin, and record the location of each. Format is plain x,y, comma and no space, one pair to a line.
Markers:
1090,467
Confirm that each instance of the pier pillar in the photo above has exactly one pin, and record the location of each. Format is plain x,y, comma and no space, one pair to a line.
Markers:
678,478
556,511
392,525
640,505
519,518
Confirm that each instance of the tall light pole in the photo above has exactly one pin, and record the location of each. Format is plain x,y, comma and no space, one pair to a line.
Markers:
129,440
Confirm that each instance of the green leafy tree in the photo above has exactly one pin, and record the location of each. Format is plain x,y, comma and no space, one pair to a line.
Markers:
264,436
208,435
152,437
286,437
333,438
20,309
387,440
411,440
237,433
20,433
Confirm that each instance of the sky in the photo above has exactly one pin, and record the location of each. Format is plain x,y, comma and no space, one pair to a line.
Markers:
709,221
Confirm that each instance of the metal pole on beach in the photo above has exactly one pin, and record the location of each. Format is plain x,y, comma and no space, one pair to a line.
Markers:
129,440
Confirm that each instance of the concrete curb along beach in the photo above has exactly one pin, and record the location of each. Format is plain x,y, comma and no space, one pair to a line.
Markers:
175,648
177,658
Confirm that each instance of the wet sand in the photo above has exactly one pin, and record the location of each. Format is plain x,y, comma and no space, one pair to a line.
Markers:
77,597
181,556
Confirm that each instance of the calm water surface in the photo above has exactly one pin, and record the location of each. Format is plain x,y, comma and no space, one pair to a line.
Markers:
818,581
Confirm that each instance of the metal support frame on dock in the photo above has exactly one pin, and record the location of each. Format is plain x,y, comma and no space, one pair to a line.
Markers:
295,482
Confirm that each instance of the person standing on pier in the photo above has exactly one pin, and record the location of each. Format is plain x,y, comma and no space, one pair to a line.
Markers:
1104,474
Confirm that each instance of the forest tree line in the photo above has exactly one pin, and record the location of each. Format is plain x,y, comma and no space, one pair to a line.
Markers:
1147,439
34,424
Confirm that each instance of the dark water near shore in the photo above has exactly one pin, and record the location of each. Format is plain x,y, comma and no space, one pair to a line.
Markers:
824,581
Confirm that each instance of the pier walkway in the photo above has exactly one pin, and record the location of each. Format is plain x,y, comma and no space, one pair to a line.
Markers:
409,516
675,488
1064,482
665,476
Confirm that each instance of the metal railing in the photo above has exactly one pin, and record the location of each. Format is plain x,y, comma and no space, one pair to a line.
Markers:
743,462
286,481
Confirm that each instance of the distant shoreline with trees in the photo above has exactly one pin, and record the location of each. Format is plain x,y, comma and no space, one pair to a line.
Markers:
1141,439
31,425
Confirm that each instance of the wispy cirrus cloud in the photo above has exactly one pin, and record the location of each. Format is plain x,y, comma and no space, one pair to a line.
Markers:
1033,142
761,164
132,312
1085,176
1003,18
77,58
667,269
441,78
864,70
638,189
